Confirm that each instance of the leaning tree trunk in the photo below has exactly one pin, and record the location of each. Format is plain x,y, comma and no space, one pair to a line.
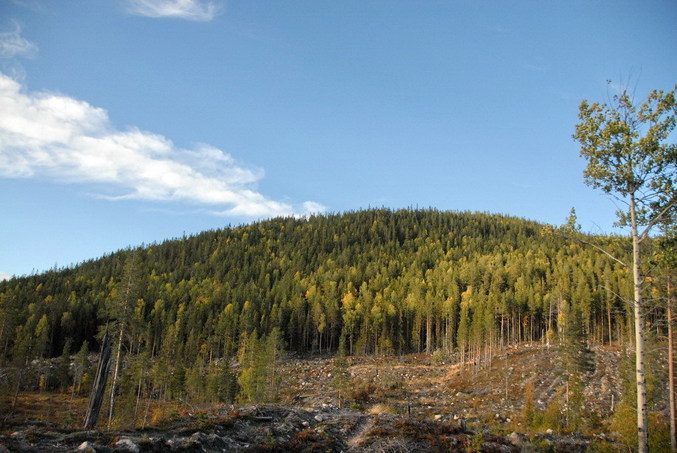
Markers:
640,374
111,406
96,395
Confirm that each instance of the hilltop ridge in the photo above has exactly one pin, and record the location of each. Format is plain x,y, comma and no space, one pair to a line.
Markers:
217,317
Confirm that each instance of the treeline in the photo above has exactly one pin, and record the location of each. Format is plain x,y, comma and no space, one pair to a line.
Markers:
202,319
386,282
183,312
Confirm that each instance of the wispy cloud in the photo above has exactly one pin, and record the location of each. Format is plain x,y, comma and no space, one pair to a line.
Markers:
534,67
56,137
13,45
4,276
197,10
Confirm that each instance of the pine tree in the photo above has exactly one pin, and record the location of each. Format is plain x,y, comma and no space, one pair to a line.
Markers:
341,374
258,380
578,361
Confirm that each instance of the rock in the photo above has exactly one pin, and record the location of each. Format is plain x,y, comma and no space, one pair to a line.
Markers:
86,447
319,418
437,417
127,444
515,438
210,442
548,431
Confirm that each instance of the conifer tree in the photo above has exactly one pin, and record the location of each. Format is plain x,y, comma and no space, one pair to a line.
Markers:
121,309
80,367
341,374
578,361
258,380
667,260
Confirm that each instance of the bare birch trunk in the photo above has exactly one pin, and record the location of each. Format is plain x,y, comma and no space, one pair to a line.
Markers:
640,374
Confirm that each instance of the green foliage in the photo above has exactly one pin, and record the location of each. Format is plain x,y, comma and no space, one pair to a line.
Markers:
222,383
553,418
602,446
659,434
529,408
628,156
576,356
624,422
575,420
341,373
177,382
626,149
81,368
381,281
258,381
476,443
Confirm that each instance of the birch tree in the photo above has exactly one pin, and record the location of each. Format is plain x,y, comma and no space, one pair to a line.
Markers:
629,157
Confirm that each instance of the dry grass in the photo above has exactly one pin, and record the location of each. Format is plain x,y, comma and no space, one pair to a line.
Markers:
410,385
60,409
381,408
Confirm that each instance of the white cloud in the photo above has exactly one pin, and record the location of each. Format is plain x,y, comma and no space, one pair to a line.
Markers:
4,276
13,45
312,207
197,10
55,137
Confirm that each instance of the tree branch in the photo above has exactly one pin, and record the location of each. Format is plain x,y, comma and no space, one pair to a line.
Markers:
597,247
655,220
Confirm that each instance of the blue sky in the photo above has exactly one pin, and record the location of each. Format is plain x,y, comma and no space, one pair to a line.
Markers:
132,121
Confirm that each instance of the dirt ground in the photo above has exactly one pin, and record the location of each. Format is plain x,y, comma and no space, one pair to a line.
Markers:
428,387
387,400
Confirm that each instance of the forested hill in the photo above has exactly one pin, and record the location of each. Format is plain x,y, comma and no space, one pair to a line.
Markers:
386,281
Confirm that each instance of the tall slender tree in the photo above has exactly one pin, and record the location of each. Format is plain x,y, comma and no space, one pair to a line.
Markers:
628,157
121,310
667,260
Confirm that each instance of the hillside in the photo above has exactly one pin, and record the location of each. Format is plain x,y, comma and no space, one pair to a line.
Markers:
210,319
404,281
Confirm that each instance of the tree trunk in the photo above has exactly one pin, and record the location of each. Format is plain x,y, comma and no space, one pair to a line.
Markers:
429,333
115,376
96,395
640,375
671,372
502,332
